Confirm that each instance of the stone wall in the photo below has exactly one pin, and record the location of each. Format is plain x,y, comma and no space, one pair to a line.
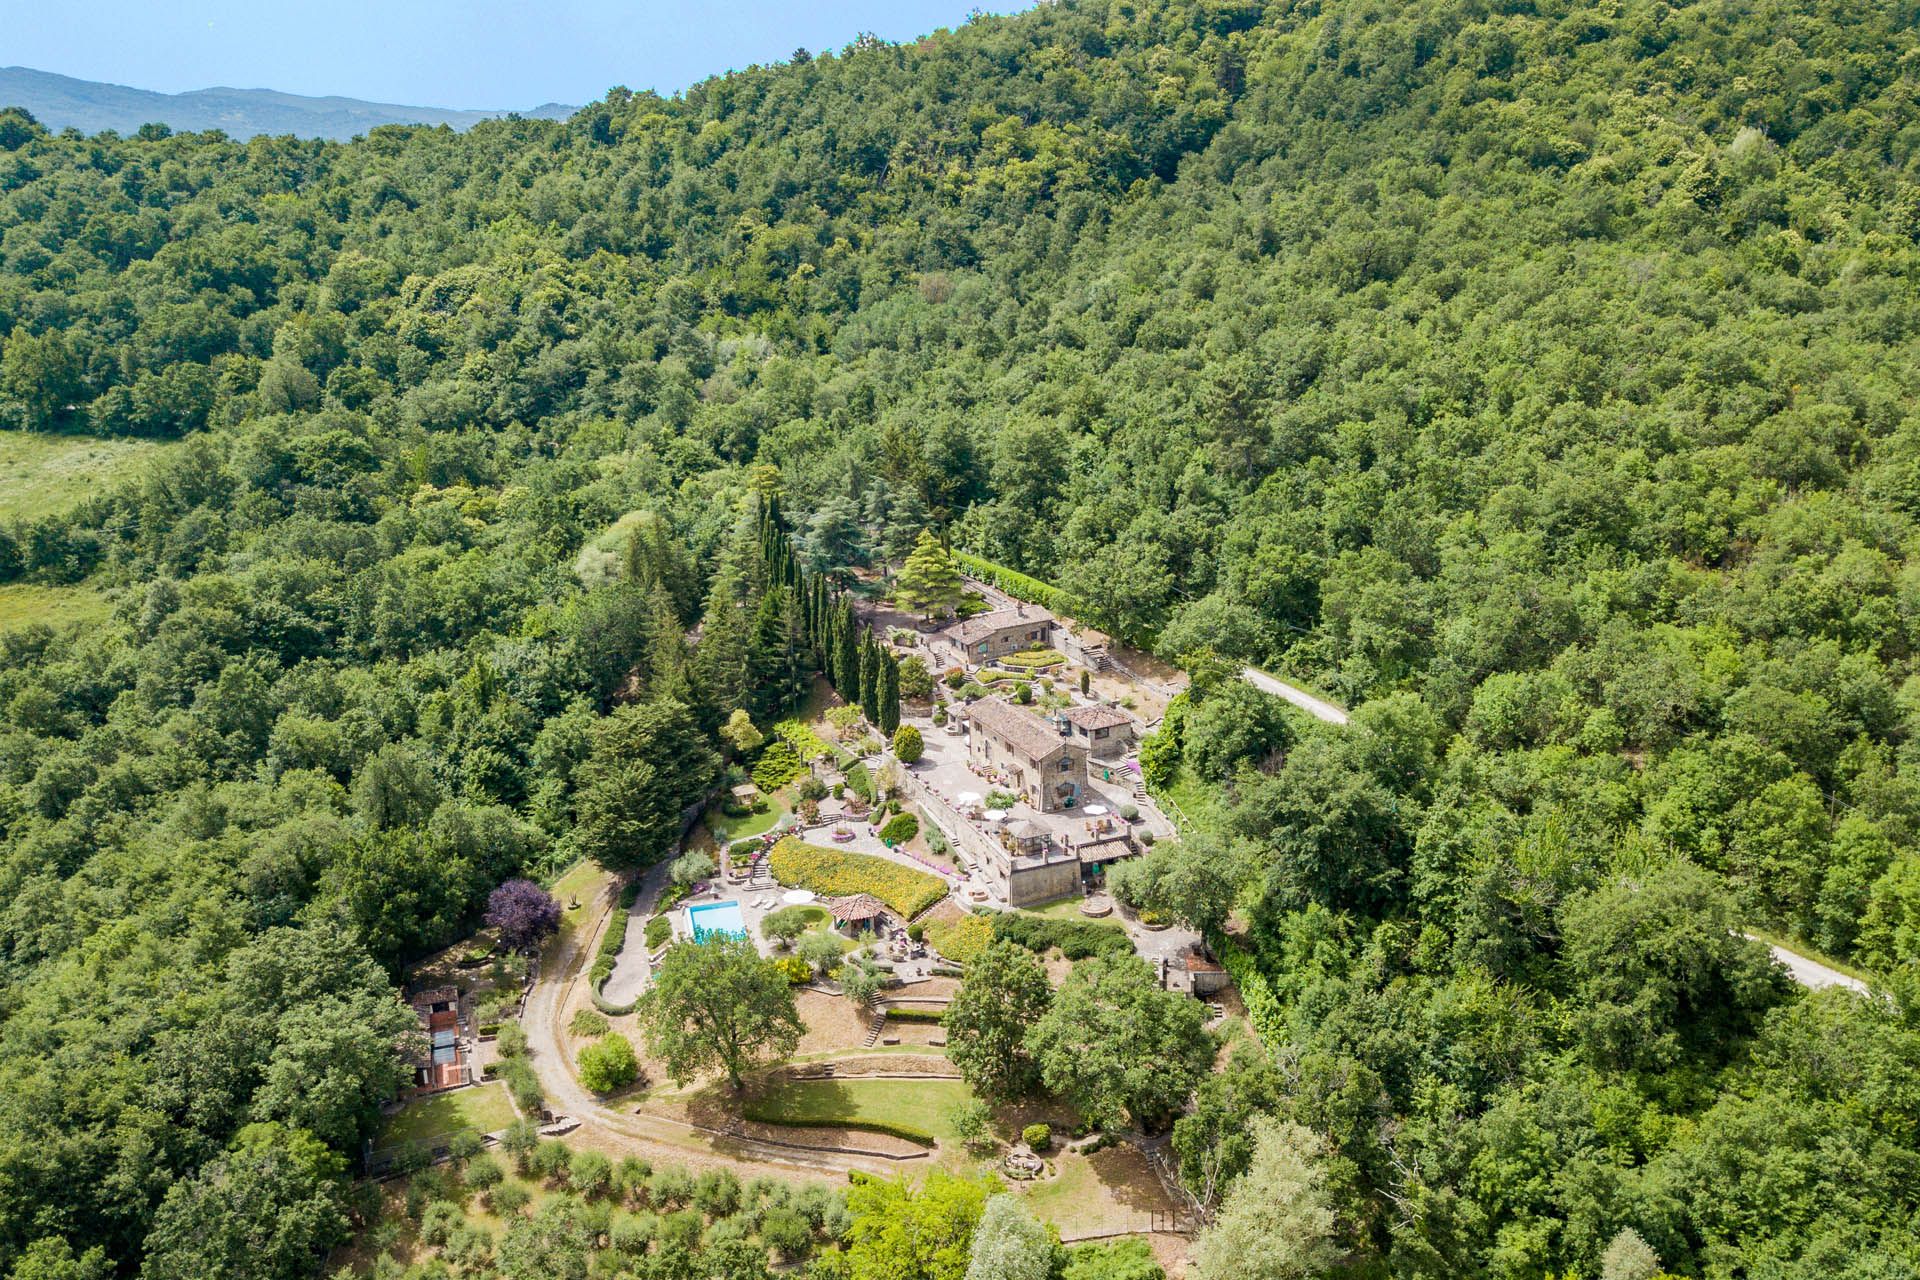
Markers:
1043,884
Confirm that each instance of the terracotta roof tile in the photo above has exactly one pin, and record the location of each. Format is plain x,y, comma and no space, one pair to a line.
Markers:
1022,730
1097,717
981,625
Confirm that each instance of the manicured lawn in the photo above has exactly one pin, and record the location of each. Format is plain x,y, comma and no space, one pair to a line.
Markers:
485,1108
908,1108
42,474
751,825
1113,1190
23,604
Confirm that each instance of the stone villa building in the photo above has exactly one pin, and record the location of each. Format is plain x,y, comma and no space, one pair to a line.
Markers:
1046,769
999,632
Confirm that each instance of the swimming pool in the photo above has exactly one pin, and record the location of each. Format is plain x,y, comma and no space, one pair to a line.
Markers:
714,919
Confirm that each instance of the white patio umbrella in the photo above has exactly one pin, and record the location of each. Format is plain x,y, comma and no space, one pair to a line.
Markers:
993,815
967,797
1096,810
797,897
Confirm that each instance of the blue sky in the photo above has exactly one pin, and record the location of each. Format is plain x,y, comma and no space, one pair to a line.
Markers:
482,53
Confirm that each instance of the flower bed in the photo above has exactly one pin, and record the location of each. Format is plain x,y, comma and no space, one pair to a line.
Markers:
962,940
837,873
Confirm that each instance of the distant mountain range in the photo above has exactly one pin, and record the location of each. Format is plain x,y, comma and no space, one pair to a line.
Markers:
60,102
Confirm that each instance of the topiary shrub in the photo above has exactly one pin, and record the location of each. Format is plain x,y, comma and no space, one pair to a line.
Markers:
908,745
1037,1136
900,828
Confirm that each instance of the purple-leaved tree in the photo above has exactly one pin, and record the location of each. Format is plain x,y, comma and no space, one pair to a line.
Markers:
523,912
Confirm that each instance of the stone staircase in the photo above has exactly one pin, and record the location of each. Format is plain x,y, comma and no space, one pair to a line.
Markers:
877,1024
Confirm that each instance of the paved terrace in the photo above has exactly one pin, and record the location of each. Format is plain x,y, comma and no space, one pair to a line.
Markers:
945,771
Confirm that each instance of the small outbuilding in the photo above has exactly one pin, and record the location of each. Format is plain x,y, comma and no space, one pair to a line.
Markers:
859,912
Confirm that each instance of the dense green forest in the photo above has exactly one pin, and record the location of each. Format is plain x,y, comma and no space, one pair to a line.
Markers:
1538,378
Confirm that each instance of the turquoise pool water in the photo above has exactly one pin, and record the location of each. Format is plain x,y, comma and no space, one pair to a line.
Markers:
715,918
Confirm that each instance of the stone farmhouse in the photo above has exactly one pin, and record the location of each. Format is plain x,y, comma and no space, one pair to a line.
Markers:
1027,754
998,632
1104,731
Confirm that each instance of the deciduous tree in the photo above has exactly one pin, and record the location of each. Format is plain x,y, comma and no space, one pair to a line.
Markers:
717,1004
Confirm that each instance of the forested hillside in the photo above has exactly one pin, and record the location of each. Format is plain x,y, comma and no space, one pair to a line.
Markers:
1538,378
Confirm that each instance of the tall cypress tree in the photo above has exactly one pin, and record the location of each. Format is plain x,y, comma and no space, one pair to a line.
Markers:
846,664
870,679
889,693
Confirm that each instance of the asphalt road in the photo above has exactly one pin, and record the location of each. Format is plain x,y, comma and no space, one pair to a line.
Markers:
1811,974
1320,708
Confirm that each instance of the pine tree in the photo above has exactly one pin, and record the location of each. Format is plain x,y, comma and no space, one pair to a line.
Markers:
929,583
721,665
666,656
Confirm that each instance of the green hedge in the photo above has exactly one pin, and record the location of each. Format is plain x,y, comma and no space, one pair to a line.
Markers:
1033,659
859,781
612,942
757,1111
1077,939
1013,582
523,1084
897,1014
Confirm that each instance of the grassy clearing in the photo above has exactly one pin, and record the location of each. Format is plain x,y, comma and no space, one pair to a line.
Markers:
485,1108
579,883
1113,1190
913,1109
22,604
1197,805
42,475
